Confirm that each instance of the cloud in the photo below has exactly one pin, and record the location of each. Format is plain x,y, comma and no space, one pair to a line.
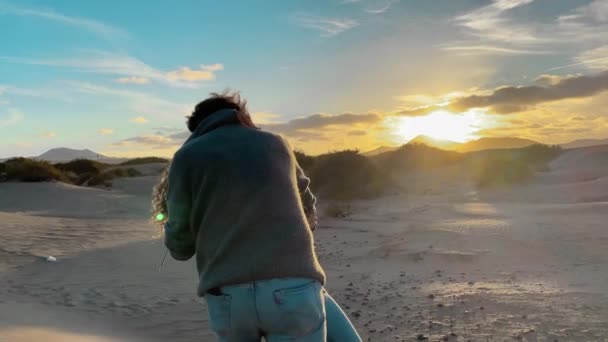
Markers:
148,140
493,50
384,6
490,22
357,133
205,73
12,118
93,26
106,131
139,120
264,117
328,27
595,58
133,80
595,11
130,68
309,126
48,134
420,111
139,102
510,99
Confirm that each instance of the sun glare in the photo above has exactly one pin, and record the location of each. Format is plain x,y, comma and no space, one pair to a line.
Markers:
441,125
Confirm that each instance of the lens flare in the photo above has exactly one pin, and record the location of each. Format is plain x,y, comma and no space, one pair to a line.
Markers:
160,217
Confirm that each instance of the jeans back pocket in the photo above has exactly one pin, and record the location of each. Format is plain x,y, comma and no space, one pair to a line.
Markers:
219,313
301,307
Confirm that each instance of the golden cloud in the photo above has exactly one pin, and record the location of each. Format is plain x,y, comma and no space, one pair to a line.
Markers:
139,120
205,73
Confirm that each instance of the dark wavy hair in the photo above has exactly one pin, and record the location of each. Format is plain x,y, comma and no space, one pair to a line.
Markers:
228,99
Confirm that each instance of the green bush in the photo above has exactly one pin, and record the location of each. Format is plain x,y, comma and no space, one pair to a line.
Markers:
29,170
347,175
413,157
105,178
144,160
82,166
305,161
500,168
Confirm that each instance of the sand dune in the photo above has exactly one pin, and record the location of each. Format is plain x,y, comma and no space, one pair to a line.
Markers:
529,263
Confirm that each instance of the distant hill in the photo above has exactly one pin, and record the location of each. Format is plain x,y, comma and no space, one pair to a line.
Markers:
585,143
494,144
62,154
379,150
432,142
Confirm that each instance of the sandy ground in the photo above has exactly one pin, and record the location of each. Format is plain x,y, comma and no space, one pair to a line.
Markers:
446,262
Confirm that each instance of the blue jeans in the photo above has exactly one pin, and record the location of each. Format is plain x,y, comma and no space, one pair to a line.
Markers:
290,309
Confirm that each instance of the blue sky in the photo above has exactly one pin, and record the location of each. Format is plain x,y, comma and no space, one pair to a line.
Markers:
118,77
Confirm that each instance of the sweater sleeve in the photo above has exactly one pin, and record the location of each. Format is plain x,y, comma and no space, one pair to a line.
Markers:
179,237
309,200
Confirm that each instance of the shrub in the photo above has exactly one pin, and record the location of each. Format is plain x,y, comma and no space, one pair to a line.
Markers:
29,170
144,160
82,166
105,178
502,171
499,168
337,210
347,175
412,157
305,161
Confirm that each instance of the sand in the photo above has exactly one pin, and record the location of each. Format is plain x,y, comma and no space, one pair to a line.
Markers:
446,262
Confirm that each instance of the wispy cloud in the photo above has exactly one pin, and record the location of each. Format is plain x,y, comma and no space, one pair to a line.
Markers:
489,22
130,68
106,131
139,120
493,50
148,140
137,101
381,7
133,80
595,58
328,27
48,135
11,118
311,125
91,25
204,73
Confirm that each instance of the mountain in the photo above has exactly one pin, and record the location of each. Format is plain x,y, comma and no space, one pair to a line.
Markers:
63,154
493,144
432,142
585,143
379,150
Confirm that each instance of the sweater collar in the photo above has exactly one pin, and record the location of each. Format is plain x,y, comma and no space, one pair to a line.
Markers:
217,119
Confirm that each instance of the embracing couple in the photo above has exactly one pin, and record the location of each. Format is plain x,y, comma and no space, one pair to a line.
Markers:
236,198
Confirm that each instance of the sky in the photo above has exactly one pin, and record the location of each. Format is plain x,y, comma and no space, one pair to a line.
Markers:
119,78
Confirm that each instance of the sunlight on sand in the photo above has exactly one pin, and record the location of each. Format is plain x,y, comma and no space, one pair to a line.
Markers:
31,334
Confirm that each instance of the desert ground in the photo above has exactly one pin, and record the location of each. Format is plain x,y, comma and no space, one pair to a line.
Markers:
443,261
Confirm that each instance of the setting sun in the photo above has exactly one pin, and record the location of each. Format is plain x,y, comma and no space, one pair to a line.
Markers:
441,125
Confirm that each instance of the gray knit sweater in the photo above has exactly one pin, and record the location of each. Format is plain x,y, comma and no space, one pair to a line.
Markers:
237,199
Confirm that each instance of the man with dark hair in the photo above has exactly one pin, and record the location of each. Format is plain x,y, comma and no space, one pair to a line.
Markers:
238,200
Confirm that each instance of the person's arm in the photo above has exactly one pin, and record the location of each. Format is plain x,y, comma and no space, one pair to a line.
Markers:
309,200
179,237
